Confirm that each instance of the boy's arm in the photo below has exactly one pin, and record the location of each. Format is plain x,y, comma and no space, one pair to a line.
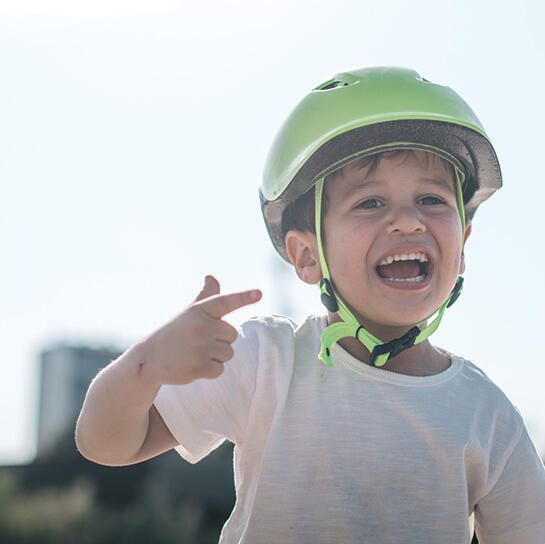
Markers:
158,438
514,509
118,424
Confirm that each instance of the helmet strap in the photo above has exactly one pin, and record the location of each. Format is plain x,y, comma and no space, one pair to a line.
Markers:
349,325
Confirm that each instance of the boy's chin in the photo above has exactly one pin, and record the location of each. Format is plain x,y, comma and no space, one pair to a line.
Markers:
392,321
391,326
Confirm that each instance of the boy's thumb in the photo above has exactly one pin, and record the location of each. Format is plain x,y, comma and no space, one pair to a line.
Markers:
211,288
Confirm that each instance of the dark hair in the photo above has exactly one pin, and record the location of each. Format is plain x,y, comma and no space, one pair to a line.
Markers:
299,215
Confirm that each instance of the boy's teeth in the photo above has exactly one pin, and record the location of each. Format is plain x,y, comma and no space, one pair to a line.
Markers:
415,279
418,256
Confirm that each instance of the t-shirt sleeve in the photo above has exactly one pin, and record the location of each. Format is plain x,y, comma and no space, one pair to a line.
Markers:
514,509
202,414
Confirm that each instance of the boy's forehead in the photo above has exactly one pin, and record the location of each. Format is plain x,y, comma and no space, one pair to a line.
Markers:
371,170
391,159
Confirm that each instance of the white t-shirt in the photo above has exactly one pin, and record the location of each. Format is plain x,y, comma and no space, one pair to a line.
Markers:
357,454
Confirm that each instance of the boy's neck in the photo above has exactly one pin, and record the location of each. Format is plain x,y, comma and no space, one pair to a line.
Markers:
422,359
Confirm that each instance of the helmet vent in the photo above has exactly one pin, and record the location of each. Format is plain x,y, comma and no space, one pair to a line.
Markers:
331,84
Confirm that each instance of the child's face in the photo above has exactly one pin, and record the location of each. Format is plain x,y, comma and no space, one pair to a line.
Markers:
406,207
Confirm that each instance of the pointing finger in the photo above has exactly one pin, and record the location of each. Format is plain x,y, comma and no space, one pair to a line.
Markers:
220,305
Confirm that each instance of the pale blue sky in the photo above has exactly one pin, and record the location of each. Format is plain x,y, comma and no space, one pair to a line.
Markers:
133,137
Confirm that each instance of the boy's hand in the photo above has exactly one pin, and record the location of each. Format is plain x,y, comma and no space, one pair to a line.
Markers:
197,342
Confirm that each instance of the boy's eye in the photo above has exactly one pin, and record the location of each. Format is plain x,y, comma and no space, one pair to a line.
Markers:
369,204
430,200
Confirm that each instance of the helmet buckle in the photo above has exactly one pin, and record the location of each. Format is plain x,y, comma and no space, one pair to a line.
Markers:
396,346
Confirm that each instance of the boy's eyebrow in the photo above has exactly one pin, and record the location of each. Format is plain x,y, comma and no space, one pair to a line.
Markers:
439,182
358,186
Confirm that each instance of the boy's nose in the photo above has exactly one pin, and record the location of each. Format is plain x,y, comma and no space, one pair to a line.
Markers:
405,221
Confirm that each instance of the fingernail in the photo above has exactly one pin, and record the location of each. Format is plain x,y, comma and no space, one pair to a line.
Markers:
254,295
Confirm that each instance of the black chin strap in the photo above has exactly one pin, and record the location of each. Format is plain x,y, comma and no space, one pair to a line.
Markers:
396,346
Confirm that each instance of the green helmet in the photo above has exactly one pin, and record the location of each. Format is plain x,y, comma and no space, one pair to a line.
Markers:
364,111
359,113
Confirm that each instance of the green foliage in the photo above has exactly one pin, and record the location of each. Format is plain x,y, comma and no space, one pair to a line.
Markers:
64,499
71,514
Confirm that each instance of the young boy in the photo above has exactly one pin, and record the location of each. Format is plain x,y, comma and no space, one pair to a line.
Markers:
369,190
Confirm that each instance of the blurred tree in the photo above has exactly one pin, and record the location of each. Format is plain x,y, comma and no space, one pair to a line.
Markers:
114,487
65,498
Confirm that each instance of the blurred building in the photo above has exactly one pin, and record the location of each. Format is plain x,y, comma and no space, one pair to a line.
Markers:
66,372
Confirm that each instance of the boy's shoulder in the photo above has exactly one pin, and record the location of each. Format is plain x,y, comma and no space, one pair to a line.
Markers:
487,400
276,339
474,375
273,324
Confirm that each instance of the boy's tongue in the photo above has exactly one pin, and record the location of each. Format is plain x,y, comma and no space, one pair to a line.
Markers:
399,269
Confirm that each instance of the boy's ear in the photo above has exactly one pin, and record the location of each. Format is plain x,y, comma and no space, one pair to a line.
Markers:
466,235
302,250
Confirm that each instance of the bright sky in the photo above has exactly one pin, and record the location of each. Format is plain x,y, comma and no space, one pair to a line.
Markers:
133,135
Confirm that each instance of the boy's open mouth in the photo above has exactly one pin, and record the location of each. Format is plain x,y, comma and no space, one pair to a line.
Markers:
405,267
